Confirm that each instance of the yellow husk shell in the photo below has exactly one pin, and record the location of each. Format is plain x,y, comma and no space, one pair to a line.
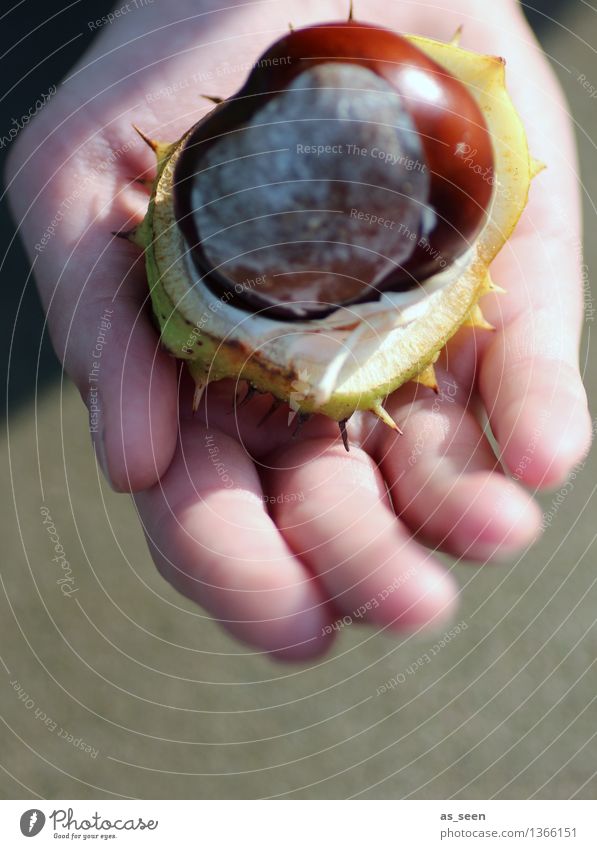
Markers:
406,353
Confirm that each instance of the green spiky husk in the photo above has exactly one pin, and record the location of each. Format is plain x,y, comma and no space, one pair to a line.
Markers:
413,352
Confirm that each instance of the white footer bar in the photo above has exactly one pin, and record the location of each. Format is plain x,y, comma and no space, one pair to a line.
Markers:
301,824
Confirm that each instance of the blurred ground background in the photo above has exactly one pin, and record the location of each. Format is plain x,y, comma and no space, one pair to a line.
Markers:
165,705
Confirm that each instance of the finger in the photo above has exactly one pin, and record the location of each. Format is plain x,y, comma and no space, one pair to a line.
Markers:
445,481
127,380
212,538
95,294
536,403
333,511
130,389
529,378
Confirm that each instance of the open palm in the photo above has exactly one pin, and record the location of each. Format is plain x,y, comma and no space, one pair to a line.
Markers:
282,537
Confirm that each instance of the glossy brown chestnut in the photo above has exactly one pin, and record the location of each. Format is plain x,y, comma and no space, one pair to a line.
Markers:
446,117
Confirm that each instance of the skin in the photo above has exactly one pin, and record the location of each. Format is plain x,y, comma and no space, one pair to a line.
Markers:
344,528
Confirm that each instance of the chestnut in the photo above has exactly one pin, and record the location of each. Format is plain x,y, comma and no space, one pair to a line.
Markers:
335,174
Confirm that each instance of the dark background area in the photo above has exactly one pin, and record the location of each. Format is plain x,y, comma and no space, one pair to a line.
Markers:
40,40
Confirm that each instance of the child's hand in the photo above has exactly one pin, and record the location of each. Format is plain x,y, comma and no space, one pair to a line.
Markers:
280,538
